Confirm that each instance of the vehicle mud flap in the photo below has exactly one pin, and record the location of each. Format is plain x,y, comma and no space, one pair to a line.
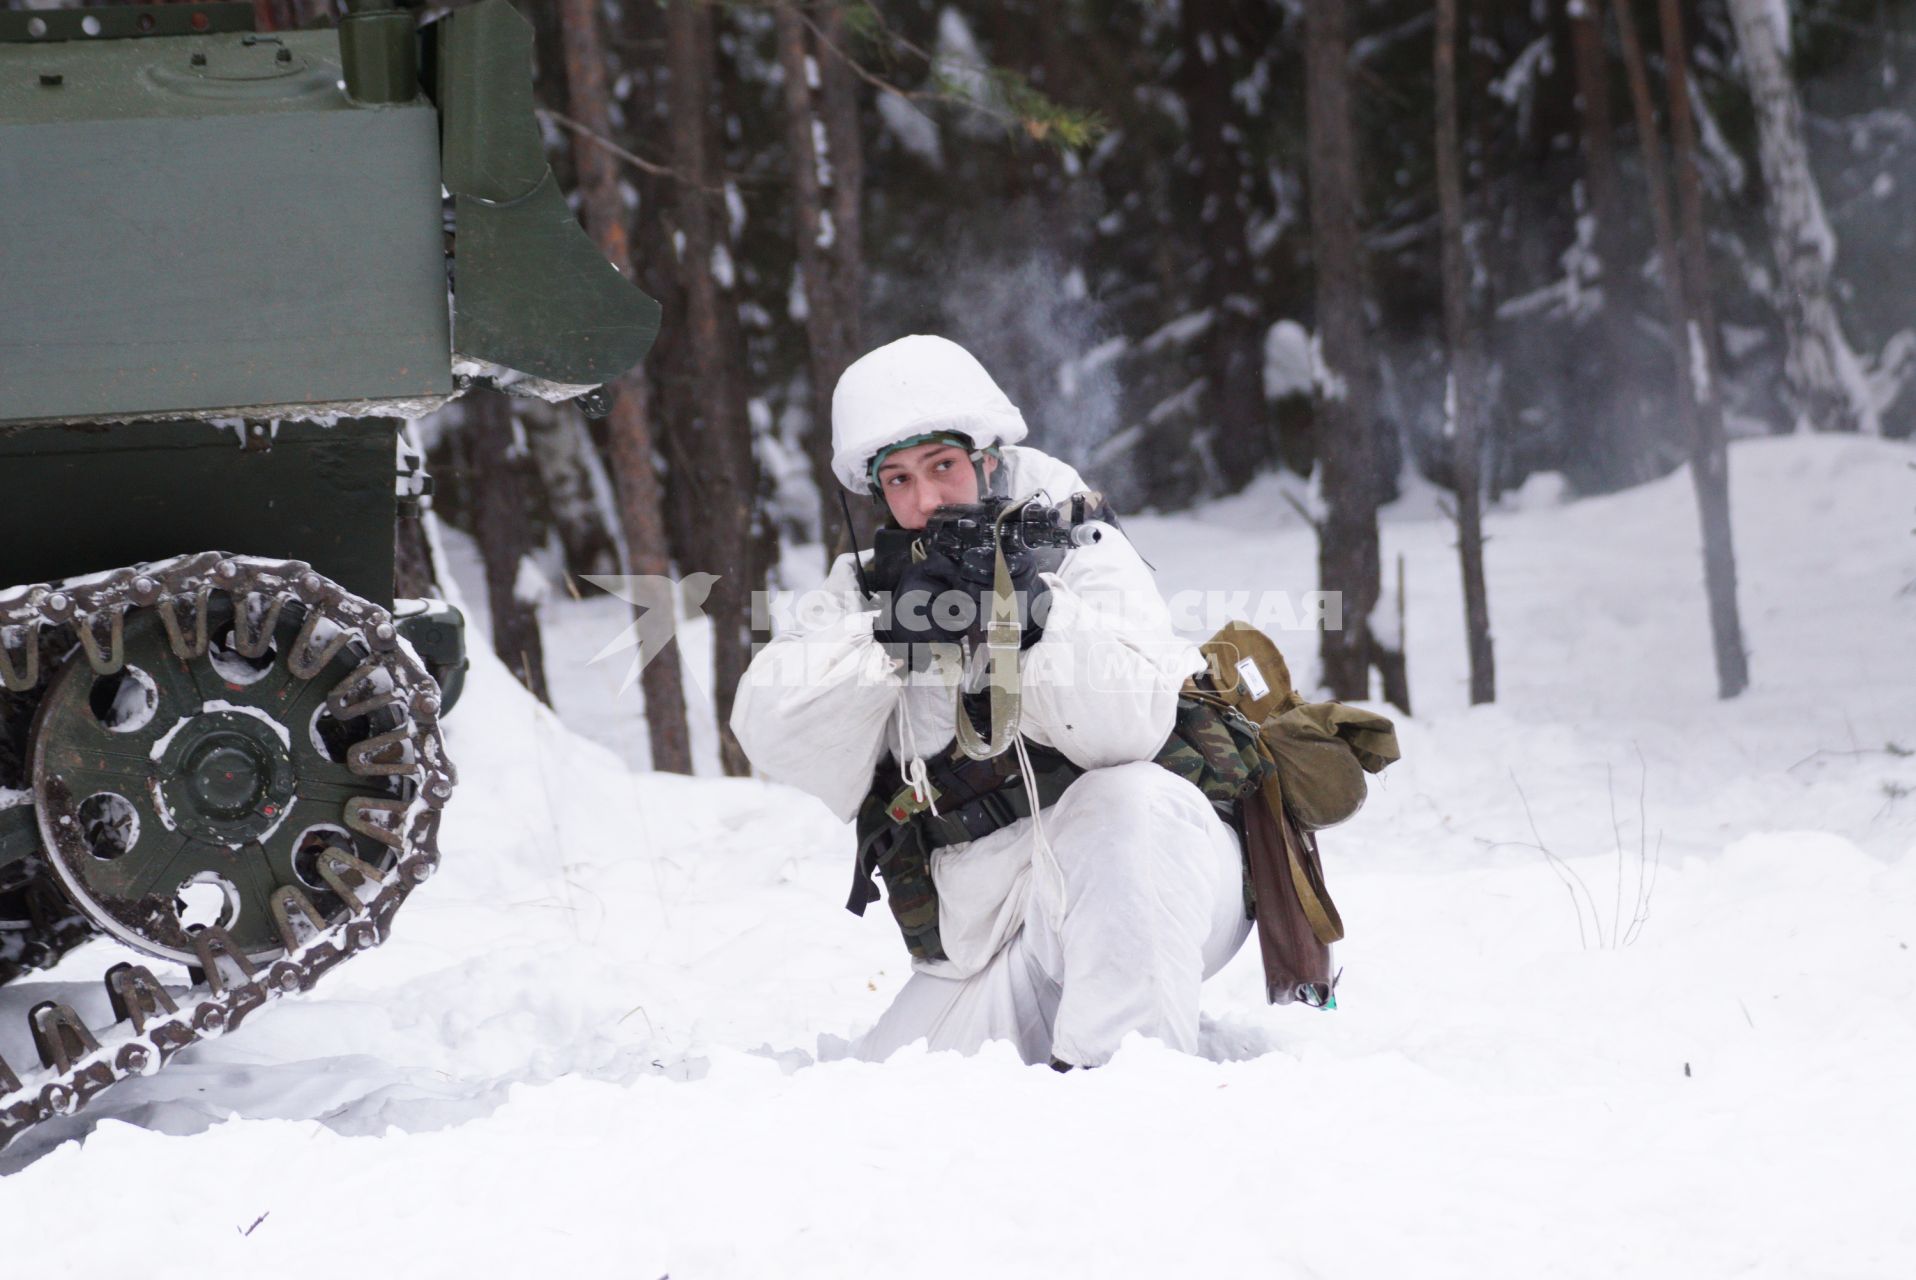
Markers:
533,292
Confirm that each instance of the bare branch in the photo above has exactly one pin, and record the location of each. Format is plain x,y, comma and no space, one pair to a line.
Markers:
1572,882
598,139
1302,510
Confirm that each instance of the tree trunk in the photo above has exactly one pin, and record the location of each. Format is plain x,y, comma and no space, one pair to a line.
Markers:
502,526
1593,102
413,577
633,468
828,256
1663,220
1619,451
1237,435
711,320
571,479
837,103
1686,295
1709,455
1825,380
1465,376
1346,451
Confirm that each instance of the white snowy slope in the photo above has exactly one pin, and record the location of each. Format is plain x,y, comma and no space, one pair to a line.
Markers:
590,1044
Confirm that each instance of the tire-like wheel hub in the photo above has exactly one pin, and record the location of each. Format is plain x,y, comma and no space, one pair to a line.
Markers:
226,776
193,788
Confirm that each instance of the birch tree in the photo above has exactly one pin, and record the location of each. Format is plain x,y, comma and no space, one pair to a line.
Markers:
1825,379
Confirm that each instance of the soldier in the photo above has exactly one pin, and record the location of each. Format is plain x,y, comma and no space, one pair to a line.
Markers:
1061,933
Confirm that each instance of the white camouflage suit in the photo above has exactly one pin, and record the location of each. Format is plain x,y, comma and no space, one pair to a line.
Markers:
1139,896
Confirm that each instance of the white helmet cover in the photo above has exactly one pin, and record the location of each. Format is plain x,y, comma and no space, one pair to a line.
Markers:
913,387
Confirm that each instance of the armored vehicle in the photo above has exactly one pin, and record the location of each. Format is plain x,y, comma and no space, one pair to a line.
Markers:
234,262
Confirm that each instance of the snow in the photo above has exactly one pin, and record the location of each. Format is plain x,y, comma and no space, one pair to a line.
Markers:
722,267
530,585
734,210
1778,12
233,708
605,1036
1287,360
1699,363
960,69
915,131
1181,402
796,306
1251,91
1520,81
1329,382
1176,333
821,153
1517,87
323,413
1722,155
517,383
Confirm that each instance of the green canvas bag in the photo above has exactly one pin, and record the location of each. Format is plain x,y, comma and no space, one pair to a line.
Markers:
1316,756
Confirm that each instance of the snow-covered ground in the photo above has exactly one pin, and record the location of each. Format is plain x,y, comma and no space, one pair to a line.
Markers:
1681,1042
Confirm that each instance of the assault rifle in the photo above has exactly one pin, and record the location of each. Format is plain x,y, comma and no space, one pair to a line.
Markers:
992,541
971,535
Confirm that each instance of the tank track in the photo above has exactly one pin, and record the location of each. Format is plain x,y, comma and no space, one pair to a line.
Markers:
84,620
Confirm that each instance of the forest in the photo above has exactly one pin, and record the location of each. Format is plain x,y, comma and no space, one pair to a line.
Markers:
1360,242
1364,244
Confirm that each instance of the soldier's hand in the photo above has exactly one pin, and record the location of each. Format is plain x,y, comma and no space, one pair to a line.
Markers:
1030,593
929,605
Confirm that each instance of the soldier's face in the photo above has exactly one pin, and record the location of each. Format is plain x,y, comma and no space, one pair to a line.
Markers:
919,480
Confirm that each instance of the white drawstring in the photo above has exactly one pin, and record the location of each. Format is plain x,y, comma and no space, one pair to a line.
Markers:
920,784
915,772
1044,860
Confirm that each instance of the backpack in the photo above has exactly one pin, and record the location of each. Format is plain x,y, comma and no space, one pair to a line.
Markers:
1292,768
